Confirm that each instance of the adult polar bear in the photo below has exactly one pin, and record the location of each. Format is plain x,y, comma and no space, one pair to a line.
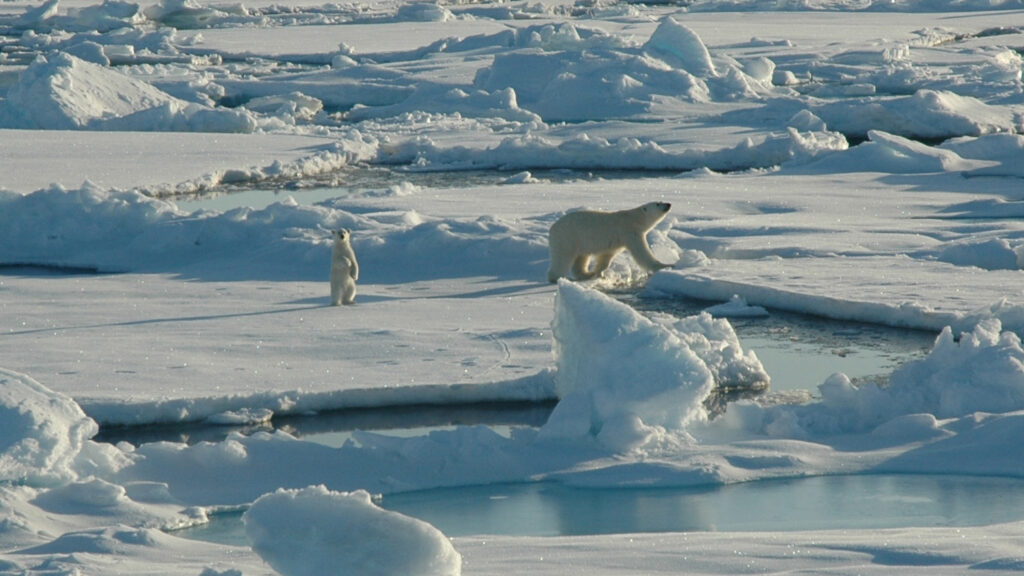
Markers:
579,237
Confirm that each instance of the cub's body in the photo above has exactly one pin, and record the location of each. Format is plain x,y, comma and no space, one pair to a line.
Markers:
344,269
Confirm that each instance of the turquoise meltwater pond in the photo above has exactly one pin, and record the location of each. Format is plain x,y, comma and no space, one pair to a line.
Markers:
817,503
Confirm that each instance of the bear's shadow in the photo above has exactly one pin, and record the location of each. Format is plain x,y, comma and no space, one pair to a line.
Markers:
374,297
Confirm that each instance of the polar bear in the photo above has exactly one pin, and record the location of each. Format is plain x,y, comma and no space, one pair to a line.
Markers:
344,269
580,236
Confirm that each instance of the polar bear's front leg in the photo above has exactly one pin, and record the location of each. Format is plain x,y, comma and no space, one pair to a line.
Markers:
642,254
559,267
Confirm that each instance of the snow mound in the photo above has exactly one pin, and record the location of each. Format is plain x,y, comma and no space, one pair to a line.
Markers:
926,114
629,381
99,541
41,431
736,307
586,152
444,100
678,45
423,12
95,496
315,531
184,14
108,16
294,105
897,155
615,81
63,92
716,344
1004,149
241,417
981,372
558,86
993,254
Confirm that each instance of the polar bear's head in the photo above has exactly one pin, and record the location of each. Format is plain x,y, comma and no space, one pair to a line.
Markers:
341,235
654,212
659,208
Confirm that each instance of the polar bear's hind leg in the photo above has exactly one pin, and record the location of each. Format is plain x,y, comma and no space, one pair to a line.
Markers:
603,260
349,295
559,266
581,267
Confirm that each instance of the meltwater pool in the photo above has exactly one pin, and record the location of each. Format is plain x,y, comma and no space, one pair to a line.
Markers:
815,503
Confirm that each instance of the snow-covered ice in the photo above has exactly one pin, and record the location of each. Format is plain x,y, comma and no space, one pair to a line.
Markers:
350,531
848,160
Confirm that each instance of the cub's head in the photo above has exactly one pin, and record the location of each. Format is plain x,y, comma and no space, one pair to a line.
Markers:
341,235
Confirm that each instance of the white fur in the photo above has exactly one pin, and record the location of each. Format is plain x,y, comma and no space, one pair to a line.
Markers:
587,240
344,269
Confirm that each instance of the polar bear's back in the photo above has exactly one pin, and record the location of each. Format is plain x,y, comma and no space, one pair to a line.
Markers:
595,229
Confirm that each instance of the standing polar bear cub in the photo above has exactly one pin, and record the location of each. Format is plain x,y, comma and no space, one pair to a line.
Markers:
344,269
587,237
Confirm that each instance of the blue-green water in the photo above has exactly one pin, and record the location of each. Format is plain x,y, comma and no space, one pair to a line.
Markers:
817,503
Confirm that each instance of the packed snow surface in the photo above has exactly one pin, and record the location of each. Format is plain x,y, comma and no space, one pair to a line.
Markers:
171,172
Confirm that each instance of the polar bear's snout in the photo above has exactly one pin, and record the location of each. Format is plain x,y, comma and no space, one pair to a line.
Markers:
665,206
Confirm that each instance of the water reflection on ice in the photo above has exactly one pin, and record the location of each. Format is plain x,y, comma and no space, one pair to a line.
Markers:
817,503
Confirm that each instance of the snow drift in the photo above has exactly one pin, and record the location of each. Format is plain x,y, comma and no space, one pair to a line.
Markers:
981,372
41,432
315,531
62,92
629,381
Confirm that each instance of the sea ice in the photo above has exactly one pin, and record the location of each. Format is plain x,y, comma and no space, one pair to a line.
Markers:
63,92
219,315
